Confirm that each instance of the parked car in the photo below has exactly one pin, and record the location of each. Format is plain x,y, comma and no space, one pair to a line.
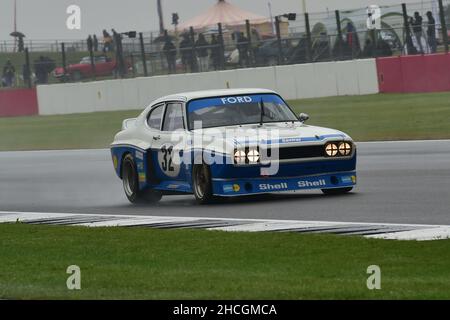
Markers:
104,66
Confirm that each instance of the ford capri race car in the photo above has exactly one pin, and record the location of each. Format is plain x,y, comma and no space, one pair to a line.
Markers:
226,143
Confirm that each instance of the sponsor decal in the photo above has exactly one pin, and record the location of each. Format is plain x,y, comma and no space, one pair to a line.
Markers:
236,187
228,188
115,162
142,177
269,186
140,166
233,100
290,140
139,155
348,179
172,186
311,184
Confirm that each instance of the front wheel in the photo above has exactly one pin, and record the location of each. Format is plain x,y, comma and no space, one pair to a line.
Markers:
201,184
337,191
130,182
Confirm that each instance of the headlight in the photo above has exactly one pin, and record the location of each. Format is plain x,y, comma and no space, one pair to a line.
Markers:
249,156
253,156
345,148
239,157
331,149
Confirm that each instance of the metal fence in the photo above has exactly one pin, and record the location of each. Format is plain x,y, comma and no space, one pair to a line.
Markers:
291,39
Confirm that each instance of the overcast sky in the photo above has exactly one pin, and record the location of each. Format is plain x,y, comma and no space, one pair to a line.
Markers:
46,19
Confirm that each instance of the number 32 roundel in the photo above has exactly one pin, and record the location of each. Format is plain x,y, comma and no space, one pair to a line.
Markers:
169,161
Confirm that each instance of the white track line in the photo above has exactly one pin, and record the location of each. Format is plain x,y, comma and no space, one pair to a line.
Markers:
421,231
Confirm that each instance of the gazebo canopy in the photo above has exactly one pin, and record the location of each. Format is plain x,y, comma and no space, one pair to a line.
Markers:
225,13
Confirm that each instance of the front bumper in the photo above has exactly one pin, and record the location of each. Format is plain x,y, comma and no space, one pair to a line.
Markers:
238,187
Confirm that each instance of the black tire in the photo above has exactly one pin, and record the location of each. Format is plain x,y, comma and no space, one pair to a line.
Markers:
130,182
337,191
201,184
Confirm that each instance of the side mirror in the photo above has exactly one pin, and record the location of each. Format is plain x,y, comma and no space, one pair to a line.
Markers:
303,117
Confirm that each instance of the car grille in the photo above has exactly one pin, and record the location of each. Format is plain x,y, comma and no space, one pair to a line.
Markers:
303,152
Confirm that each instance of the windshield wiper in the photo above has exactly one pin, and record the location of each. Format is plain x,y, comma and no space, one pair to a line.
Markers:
262,113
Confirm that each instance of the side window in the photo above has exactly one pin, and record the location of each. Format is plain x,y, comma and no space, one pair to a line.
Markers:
154,119
173,119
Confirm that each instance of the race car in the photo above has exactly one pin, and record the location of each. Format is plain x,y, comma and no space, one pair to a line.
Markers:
228,143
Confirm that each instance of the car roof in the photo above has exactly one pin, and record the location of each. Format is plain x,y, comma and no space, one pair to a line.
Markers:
188,96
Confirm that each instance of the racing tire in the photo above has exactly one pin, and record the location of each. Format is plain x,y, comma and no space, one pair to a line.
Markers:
202,184
337,191
130,182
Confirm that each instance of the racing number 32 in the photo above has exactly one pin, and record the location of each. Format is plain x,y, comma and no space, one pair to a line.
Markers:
166,164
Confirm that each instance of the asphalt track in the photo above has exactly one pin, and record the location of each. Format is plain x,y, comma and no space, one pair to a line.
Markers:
398,182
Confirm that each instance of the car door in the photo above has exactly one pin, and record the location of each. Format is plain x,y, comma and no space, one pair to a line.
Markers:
154,123
168,144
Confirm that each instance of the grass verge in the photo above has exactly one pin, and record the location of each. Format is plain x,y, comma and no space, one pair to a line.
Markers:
365,118
139,263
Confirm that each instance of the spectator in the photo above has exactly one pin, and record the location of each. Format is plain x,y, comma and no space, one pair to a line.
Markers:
42,68
107,42
431,32
170,51
352,40
186,53
201,47
215,52
416,23
95,43
369,49
242,46
20,44
256,42
90,43
9,74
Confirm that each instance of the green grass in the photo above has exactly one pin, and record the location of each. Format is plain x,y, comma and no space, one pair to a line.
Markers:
139,263
365,118
383,116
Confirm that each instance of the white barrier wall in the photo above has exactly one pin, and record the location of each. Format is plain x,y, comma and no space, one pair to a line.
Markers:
315,80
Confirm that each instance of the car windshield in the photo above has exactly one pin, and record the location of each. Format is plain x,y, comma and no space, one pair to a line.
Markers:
238,110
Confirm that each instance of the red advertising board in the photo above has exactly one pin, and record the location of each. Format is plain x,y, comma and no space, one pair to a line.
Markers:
18,102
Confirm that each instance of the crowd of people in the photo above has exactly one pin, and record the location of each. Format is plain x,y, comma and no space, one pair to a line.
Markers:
422,42
41,69
199,55
199,52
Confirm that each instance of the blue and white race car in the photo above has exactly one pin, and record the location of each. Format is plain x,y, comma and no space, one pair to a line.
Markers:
226,143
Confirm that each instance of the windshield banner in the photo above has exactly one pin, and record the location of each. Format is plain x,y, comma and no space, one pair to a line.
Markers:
233,100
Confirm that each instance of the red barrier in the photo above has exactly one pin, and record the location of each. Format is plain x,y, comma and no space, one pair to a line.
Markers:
418,73
18,102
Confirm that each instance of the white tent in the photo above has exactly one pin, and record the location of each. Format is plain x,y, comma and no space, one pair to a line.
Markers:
225,13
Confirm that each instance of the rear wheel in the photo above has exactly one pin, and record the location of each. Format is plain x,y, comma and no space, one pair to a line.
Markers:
201,184
130,182
337,191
